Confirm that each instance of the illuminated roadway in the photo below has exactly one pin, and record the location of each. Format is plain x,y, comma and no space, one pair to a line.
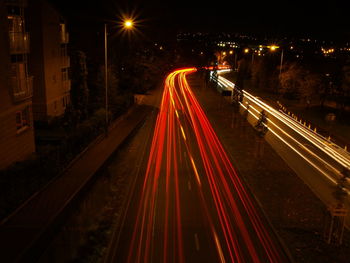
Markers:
314,158
191,205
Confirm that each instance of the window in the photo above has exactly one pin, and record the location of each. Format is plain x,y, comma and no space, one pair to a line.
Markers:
23,118
15,23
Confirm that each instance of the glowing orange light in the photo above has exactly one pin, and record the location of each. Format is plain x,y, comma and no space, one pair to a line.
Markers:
273,47
128,23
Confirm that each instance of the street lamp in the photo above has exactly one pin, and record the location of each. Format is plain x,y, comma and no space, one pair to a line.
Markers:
128,24
273,48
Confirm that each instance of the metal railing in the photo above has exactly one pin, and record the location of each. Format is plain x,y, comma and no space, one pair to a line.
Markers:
19,42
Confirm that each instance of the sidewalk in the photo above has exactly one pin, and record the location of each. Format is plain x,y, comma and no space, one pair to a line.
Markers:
293,210
24,234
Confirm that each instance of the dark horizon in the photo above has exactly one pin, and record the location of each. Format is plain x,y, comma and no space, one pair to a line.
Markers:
159,19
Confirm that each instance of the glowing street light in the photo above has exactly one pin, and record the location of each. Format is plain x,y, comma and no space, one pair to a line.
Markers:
128,23
246,50
273,47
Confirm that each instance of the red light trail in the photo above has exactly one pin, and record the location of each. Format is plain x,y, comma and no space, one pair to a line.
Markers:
237,230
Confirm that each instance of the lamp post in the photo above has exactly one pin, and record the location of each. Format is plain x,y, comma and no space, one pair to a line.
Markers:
128,24
273,48
281,64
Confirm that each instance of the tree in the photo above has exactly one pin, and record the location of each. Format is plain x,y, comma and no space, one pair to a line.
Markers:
118,99
310,83
289,80
344,98
299,83
263,73
79,86
243,73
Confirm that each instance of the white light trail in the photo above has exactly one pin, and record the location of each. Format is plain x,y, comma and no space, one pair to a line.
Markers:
314,138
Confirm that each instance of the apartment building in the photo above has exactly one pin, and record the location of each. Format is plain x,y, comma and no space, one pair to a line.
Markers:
48,61
16,85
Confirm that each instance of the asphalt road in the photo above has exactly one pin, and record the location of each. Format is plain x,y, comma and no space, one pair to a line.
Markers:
188,204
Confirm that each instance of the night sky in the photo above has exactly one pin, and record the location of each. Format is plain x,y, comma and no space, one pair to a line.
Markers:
163,18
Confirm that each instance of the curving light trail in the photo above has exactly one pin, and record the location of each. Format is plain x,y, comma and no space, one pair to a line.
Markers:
238,232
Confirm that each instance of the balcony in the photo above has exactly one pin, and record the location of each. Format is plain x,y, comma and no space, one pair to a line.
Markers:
19,42
65,61
22,88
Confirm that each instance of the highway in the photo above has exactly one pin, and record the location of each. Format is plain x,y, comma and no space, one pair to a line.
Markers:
190,205
314,158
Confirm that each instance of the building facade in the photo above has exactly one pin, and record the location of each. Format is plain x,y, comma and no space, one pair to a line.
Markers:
48,61
16,85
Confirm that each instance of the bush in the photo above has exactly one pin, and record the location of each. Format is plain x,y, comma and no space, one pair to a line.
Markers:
23,179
